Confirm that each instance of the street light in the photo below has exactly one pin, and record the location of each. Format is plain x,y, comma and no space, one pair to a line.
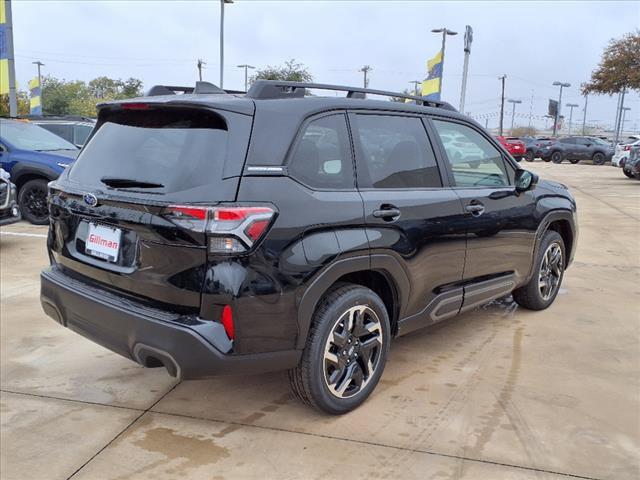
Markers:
415,84
246,79
561,85
571,106
222,2
444,31
513,113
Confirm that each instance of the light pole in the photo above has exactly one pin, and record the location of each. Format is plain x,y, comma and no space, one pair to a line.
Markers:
624,114
444,31
468,39
571,106
502,78
201,65
39,64
584,117
513,112
222,2
555,122
246,75
365,71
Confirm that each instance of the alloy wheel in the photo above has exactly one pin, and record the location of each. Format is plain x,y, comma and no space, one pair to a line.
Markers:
353,351
35,202
550,271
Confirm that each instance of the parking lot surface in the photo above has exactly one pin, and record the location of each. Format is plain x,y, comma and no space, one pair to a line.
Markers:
496,393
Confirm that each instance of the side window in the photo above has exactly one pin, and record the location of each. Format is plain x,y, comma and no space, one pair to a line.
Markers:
62,130
568,140
397,153
81,133
322,157
473,159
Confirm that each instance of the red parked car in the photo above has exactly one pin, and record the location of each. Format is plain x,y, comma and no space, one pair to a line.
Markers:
514,146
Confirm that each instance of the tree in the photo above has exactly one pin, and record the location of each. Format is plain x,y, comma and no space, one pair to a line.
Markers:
130,88
23,104
619,67
291,72
406,91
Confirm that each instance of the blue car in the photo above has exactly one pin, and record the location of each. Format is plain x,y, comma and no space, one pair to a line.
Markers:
33,156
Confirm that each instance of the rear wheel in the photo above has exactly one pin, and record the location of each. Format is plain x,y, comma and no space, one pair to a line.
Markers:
598,158
32,200
556,157
627,173
542,288
346,350
529,156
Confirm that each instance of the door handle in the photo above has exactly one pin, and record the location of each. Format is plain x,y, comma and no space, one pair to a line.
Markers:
388,213
476,209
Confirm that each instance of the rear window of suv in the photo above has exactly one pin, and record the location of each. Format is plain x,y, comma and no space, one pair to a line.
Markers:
169,150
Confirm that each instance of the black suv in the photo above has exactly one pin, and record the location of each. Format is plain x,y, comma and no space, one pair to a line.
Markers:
575,149
215,233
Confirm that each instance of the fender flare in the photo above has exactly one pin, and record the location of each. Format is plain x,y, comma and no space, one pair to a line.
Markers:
383,263
21,169
554,215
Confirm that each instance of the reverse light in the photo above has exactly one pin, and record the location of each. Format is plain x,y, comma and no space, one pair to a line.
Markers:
227,322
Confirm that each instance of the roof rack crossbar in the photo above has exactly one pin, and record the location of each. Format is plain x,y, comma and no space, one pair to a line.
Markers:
265,89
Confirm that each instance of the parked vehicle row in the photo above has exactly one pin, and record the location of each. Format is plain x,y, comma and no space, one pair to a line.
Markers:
74,129
575,149
33,157
631,166
220,233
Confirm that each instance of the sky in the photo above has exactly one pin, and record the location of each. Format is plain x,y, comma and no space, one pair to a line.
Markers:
159,42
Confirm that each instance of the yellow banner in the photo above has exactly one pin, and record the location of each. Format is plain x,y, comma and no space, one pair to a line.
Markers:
4,73
34,102
430,86
434,61
3,15
35,83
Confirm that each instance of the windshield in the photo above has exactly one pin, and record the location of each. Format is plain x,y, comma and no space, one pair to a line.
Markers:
27,136
160,151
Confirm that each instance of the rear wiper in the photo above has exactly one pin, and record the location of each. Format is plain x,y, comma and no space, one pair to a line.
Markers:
128,183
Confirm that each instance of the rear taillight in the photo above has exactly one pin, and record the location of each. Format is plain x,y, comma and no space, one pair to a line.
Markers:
230,229
227,322
134,106
626,148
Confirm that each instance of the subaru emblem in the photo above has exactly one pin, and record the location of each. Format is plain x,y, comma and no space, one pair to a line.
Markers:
90,199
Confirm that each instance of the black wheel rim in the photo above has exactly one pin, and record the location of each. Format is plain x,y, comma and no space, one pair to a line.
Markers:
352,352
34,201
598,159
556,158
550,271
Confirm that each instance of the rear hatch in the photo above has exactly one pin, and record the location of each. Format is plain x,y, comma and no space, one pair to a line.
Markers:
120,214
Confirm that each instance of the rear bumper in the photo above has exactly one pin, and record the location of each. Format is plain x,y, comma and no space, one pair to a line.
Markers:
10,214
150,337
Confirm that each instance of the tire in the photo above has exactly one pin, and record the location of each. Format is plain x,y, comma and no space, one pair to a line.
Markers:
32,200
529,156
598,158
518,159
573,161
556,157
627,173
548,159
334,350
533,295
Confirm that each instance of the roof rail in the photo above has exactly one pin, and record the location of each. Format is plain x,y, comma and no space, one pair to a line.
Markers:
201,88
270,89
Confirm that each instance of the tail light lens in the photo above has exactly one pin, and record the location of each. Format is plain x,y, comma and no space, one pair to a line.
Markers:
227,322
230,229
626,148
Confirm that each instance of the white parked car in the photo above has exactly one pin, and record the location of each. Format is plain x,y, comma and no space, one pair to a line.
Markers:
622,153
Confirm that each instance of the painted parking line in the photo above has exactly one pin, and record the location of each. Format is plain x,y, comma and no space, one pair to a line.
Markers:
20,234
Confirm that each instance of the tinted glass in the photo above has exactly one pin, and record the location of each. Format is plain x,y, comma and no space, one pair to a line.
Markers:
27,136
176,149
473,159
569,141
81,132
397,153
322,158
62,130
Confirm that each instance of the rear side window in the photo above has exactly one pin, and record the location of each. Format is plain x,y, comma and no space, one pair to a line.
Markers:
396,153
170,150
322,157
62,130
81,133
569,141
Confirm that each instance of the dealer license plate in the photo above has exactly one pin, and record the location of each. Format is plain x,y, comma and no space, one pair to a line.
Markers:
103,242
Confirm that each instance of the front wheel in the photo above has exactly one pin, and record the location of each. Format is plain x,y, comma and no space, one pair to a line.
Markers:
529,156
543,287
598,158
627,173
556,157
346,350
32,200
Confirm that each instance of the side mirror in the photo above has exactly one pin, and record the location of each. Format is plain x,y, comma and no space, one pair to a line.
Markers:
525,180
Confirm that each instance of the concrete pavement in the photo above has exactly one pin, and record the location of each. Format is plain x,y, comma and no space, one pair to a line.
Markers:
497,393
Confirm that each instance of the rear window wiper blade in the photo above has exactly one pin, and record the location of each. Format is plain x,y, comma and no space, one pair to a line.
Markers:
129,183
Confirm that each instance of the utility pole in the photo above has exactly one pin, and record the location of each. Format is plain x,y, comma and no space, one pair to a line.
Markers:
561,85
571,107
502,78
468,38
222,2
415,87
201,65
8,39
445,31
531,108
619,115
39,64
513,112
365,70
584,116
246,74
